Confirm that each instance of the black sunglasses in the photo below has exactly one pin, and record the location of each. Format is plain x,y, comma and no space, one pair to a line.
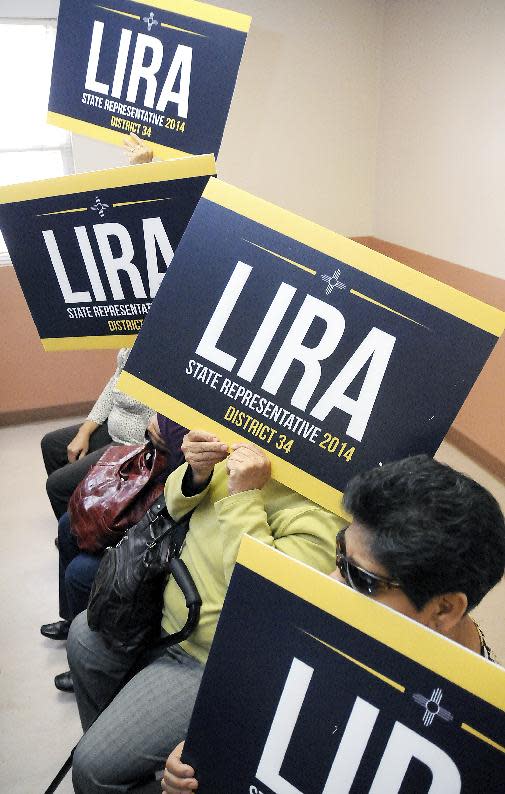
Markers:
364,582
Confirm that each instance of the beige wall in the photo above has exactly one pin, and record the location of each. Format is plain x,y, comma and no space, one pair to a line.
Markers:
478,429
303,121
35,384
441,152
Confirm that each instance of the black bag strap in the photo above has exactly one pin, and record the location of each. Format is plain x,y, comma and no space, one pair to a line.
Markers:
182,576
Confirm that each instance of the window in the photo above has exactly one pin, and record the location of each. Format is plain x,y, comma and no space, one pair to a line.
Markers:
30,149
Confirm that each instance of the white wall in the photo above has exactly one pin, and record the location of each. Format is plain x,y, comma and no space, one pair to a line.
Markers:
303,121
441,141
374,117
29,9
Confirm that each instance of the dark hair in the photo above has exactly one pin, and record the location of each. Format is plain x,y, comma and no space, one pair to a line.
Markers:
432,528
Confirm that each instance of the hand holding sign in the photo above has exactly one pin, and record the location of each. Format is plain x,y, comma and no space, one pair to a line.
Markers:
202,451
136,150
177,776
248,468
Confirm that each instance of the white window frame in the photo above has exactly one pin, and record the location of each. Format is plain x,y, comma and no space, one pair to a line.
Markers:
65,148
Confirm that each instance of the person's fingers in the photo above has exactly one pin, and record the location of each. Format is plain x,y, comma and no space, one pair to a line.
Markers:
244,445
205,460
207,448
174,785
246,454
136,138
81,454
154,432
199,435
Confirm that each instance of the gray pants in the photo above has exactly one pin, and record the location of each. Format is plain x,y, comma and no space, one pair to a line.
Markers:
133,736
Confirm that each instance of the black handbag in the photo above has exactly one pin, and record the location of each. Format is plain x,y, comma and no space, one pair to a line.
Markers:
126,599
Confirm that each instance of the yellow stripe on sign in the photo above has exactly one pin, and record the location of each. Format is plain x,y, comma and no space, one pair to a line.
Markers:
115,11
184,167
63,212
283,471
291,261
109,342
363,666
387,308
482,737
182,30
203,11
413,640
358,256
141,201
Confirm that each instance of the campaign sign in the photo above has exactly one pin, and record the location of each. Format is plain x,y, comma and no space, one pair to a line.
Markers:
312,688
91,250
164,70
331,357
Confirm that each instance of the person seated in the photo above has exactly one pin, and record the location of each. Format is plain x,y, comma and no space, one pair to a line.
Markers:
426,541
70,452
77,569
231,495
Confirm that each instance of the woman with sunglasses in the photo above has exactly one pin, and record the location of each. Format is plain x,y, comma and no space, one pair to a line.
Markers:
426,541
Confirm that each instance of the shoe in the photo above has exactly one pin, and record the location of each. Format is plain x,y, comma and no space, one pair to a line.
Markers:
56,631
64,682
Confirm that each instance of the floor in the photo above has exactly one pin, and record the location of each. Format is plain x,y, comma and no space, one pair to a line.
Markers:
39,725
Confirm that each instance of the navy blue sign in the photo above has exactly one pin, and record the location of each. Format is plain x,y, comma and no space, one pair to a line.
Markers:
330,369
164,70
323,691
90,251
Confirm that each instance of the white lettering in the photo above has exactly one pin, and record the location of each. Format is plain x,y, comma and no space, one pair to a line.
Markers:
181,62
146,72
94,54
89,261
403,745
293,349
378,346
124,261
207,346
122,59
266,331
154,232
66,290
179,71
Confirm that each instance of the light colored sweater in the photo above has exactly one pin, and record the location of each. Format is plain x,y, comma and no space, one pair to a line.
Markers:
126,418
274,515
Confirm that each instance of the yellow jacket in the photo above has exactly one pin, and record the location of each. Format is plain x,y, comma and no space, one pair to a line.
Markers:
274,515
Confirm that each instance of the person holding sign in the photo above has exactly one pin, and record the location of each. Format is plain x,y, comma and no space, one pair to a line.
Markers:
70,452
136,150
231,494
426,541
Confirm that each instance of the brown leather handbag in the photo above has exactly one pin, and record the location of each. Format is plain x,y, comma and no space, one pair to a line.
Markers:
116,493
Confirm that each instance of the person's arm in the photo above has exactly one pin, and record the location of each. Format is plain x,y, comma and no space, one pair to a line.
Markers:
188,485
79,445
99,414
173,435
178,776
102,407
153,434
305,531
